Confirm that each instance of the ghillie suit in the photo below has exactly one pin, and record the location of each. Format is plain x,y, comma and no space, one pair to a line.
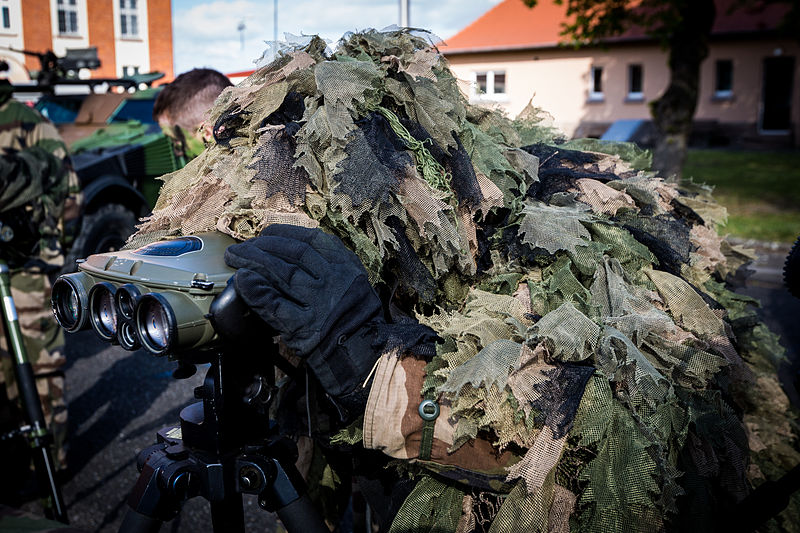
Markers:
596,373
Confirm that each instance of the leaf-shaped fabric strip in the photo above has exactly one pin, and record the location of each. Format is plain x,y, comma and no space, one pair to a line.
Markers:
490,366
347,86
554,228
568,334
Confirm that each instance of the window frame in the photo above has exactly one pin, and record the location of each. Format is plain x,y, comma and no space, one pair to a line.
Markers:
594,82
71,13
5,16
635,96
491,92
128,17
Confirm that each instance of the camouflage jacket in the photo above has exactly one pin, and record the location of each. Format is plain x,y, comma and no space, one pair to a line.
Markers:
38,188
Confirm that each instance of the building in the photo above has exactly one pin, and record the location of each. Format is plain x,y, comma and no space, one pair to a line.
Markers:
131,36
748,88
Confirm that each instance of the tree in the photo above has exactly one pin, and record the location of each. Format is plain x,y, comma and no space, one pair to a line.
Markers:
683,28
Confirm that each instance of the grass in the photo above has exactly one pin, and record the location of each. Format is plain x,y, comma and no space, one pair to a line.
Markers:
760,189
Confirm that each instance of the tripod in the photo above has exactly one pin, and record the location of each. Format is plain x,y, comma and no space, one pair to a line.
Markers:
36,427
223,448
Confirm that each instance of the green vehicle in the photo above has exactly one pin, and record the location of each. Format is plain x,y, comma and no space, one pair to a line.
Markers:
117,151
117,148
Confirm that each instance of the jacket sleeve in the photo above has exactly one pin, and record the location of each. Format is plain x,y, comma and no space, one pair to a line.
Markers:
393,425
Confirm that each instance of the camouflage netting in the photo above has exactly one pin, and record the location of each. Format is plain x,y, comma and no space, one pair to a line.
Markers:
584,303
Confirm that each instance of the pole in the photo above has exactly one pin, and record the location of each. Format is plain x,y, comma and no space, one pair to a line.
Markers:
405,13
31,406
275,29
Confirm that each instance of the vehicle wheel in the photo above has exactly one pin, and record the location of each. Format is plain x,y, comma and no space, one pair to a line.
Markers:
105,230
791,270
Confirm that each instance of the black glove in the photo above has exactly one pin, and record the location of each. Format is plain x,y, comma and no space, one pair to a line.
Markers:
316,294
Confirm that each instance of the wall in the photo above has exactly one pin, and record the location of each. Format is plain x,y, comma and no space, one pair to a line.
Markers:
101,35
36,29
558,81
160,32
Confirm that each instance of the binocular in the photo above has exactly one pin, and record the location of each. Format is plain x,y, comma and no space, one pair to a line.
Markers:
163,297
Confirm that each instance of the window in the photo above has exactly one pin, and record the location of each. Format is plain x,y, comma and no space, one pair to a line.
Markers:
67,17
596,85
5,14
128,18
635,82
130,70
723,79
490,84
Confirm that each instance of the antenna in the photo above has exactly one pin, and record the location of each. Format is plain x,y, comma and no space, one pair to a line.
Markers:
405,13
240,28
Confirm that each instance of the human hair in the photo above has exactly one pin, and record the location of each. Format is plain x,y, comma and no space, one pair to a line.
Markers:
186,100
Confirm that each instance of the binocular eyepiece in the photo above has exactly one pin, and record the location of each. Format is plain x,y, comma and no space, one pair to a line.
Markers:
158,297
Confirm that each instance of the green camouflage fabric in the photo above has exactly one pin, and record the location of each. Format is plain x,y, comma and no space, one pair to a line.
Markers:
18,521
37,187
597,372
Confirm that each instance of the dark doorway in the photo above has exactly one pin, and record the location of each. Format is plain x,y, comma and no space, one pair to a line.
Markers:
777,94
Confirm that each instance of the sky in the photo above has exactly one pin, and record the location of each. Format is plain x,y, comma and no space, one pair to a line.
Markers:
205,31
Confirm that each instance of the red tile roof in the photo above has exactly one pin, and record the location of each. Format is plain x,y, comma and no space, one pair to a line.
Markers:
511,25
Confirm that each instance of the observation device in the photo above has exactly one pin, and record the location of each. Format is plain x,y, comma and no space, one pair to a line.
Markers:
175,298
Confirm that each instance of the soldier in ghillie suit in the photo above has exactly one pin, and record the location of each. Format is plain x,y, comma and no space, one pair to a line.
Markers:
38,193
540,335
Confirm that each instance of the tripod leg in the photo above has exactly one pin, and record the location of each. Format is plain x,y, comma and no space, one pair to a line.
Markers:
151,501
138,523
228,515
301,516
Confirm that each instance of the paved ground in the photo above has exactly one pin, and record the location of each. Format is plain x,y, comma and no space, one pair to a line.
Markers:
119,399
779,309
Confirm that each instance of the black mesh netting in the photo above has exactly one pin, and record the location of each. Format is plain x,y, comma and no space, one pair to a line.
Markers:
457,163
560,168
413,275
666,236
376,162
274,164
560,396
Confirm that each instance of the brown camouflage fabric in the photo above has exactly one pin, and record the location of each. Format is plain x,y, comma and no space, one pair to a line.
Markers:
37,182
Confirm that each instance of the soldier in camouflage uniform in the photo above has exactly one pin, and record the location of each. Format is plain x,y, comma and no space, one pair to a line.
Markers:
38,196
181,109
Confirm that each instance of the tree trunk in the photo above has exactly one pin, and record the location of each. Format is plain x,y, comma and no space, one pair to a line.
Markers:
674,111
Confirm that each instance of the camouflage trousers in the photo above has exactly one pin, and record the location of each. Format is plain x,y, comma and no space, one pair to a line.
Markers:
44,342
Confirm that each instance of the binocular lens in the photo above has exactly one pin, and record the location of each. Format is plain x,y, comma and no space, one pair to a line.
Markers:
155,323
103,312
126,300
127,336
68,306
66,303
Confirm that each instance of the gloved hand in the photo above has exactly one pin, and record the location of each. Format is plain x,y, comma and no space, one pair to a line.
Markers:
316,293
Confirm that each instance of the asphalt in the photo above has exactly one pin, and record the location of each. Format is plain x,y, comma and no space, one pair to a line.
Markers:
779,309
118,400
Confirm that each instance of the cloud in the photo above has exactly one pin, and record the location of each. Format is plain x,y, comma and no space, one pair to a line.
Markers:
205,32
